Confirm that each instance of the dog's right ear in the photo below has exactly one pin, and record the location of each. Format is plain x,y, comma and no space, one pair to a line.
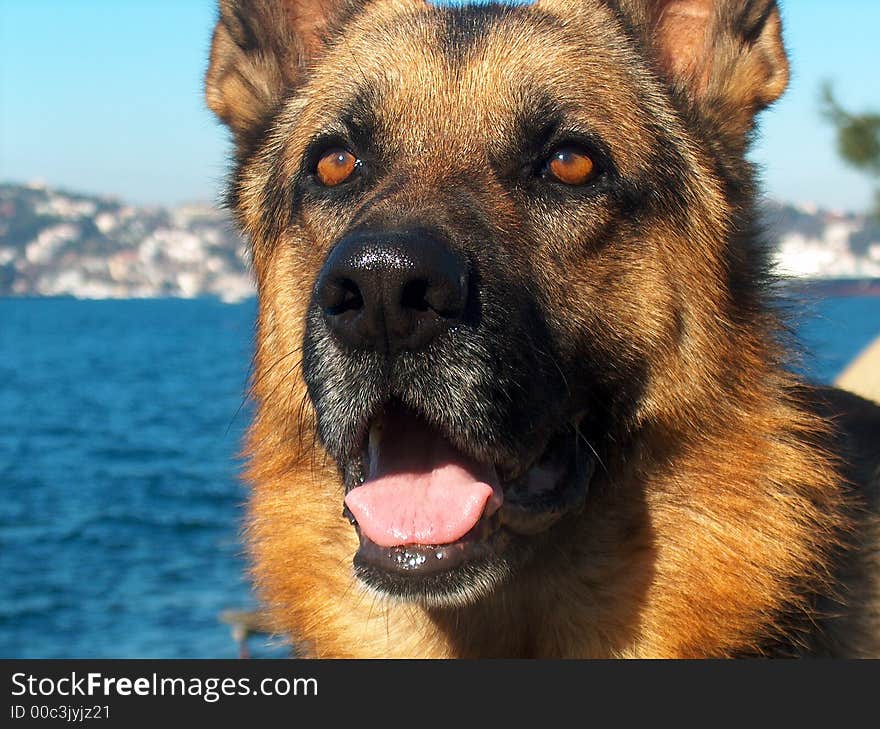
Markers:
261,49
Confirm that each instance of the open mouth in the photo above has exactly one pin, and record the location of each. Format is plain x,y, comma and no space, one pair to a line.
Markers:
426,511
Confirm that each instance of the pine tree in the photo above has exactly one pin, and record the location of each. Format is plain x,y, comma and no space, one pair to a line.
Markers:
858,138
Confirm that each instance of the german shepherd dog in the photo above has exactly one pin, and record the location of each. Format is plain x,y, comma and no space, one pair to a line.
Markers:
521,385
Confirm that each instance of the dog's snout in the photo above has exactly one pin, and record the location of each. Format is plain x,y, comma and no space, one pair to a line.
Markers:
392,291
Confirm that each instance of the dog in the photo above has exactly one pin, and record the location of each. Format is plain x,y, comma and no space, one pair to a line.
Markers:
521,380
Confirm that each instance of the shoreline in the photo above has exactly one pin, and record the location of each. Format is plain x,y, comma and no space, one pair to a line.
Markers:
836,287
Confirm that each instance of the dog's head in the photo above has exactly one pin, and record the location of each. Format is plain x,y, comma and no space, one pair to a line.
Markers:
498,239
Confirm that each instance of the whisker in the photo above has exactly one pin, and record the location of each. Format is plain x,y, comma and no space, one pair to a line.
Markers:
589,445
249,392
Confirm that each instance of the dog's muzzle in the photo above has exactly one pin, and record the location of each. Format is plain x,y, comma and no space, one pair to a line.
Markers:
439,493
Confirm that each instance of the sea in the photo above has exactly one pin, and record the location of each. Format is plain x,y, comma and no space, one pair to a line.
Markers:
120,500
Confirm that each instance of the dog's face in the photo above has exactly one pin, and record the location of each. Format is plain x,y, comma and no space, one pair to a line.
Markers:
483,231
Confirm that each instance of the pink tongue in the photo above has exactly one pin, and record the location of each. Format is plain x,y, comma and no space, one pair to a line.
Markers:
419,488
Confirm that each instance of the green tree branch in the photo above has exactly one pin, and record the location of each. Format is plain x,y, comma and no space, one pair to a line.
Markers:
858,137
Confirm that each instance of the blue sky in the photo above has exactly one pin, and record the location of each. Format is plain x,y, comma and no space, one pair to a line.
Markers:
105,96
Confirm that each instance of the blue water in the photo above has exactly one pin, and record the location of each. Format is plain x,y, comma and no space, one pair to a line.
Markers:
833,331
120,507
119,501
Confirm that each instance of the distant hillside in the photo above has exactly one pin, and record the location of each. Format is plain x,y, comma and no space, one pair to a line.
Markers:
61,243
815,243
56,243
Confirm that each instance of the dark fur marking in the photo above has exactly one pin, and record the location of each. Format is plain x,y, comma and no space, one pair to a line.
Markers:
464,29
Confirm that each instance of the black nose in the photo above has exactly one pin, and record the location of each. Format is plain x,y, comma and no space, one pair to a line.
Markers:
392,291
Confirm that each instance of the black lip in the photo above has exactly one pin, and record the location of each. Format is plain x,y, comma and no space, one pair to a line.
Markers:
421,560
436,576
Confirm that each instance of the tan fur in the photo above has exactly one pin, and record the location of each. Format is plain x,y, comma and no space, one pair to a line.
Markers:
722,532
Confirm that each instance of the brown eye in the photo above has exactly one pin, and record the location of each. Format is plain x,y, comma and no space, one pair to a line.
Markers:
571,166
335,166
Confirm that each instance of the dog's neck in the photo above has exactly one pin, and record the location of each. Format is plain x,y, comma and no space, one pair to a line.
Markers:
745,512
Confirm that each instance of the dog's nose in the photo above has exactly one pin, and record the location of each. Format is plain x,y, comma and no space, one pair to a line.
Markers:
392,291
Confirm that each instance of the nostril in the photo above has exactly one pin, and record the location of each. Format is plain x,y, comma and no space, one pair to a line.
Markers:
414,295
343,295
447,297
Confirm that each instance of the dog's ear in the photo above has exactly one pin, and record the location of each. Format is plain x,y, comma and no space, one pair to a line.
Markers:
725,55
261,49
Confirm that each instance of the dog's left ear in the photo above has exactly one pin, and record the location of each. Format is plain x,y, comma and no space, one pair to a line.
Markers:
263,49
727,56
260,49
